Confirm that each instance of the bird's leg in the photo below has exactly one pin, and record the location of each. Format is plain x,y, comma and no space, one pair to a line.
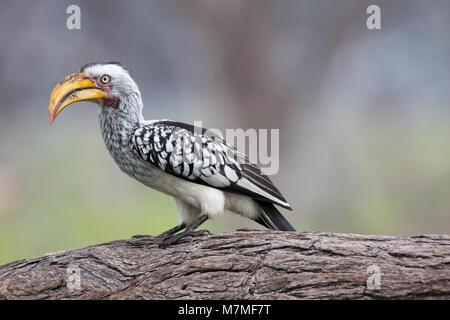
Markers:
173,230
175,237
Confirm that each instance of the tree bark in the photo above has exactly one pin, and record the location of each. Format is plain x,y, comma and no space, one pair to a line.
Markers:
244,264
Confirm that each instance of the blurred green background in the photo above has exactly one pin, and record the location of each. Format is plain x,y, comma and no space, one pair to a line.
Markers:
363,114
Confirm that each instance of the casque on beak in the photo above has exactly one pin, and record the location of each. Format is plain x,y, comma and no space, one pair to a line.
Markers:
73,88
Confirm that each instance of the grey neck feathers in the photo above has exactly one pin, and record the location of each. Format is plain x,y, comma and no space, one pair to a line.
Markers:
116,123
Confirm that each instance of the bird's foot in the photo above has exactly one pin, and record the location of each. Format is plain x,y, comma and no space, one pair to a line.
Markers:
169,240
175,237
202,232
165,233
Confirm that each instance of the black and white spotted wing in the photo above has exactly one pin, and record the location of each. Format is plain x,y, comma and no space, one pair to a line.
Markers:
178,149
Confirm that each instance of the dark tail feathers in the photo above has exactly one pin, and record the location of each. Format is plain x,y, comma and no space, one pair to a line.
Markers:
271,218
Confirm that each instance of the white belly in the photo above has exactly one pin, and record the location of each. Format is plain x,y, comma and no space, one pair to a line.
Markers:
193,199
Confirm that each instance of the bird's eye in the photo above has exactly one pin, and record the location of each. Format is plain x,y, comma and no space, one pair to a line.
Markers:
105,79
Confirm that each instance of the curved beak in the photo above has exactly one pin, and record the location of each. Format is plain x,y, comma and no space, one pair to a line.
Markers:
73,88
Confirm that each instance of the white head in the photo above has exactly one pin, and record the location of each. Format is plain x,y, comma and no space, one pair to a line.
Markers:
108,84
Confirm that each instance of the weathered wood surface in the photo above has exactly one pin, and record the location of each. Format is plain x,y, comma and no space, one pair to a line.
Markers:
244,264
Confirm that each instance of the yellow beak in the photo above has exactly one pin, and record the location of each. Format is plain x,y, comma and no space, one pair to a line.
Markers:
73,88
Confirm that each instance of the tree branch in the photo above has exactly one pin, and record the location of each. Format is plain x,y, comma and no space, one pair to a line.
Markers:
244,264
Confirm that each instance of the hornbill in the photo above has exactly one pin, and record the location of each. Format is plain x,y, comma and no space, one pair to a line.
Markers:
206,176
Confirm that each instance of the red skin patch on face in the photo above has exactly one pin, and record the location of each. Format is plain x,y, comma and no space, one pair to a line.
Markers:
110,101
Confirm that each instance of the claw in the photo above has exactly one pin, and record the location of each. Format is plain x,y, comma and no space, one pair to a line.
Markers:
168,241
